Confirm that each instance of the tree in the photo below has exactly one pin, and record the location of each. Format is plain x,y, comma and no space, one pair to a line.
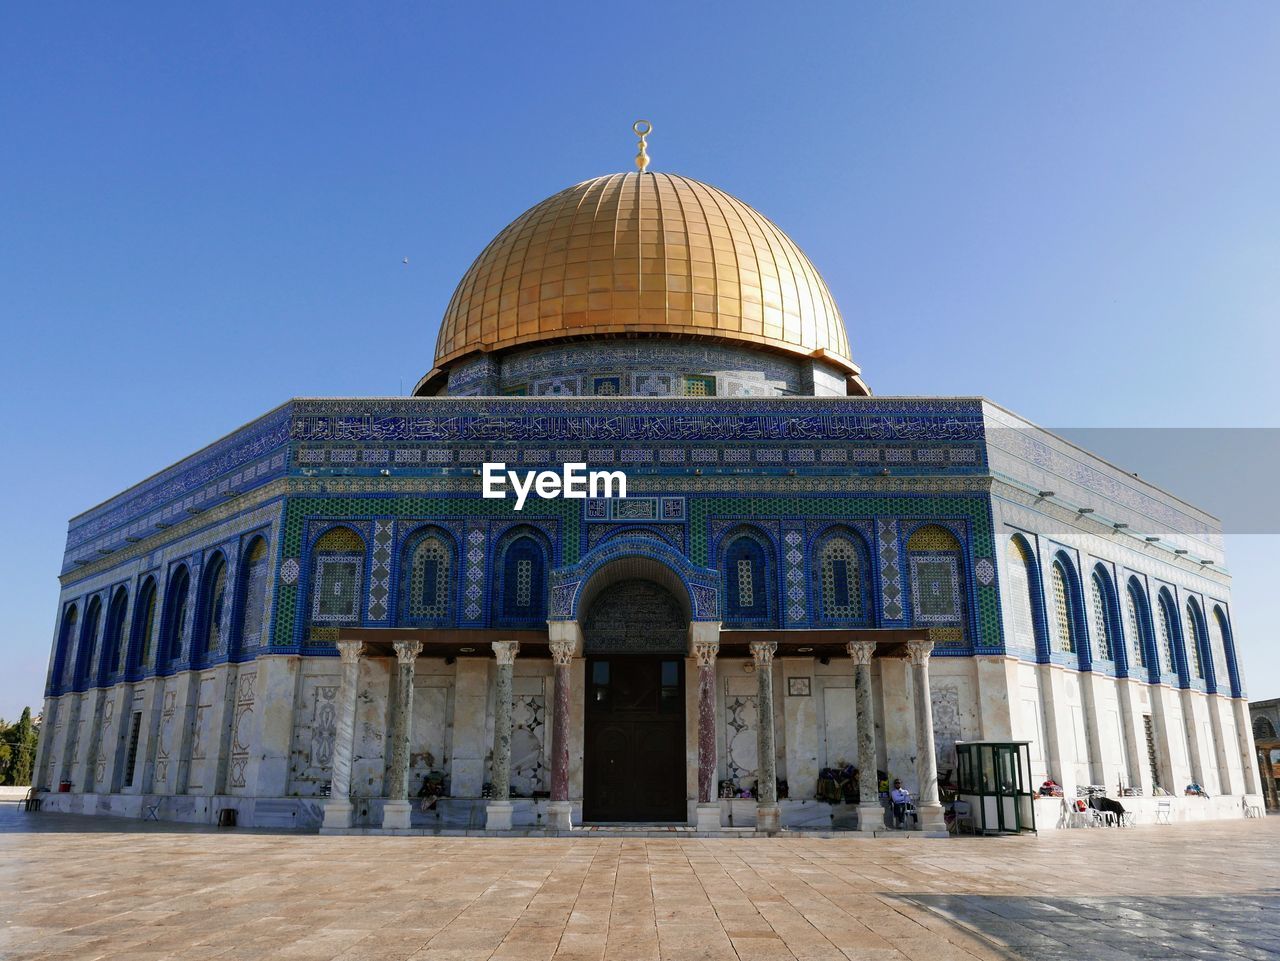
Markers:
18,749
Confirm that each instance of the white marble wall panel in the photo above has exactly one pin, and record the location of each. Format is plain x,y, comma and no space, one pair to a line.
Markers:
314,731
840,725
530,730
368,756
431,739
801,745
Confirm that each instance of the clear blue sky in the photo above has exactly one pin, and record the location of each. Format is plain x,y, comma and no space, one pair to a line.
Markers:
1071,209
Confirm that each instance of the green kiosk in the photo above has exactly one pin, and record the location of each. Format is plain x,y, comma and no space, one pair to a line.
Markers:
994,780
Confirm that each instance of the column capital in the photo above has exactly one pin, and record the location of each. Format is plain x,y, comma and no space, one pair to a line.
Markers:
407,651
919,652
562,652
350,651
861,651
762,652
705,652
506,651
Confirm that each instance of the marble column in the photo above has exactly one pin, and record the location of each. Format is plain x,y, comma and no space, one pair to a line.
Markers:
337,811
870,813
560,811
927,805
498,811
397,811
708,811
768,817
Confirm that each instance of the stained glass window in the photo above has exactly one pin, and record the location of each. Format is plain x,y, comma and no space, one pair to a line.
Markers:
1062,610
1024,632
699,385
68,642
1222,676
176,610
1164,628
841,579
934,558
115,648
88,640
1101,620
429,579
746,587
215,598
1193,642
256,569
147,623
1135,630
522,594
339,566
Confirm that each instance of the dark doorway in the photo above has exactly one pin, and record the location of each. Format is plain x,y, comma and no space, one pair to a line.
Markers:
634,758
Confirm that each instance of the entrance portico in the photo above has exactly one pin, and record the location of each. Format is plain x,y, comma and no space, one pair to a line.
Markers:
577,772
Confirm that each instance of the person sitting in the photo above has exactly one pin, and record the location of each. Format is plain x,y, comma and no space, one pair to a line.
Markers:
1195,790
900,798
1050,788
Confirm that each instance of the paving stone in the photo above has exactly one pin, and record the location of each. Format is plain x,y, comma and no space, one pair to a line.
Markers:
96,888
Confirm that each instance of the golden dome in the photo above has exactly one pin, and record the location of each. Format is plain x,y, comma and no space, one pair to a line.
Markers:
643,253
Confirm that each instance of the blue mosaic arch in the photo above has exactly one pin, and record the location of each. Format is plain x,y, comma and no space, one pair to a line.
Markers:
1106,619
1020,551
88,643
701,585
835,600
522,558
1197,647
1169,632
1068,612
1228,651
429,578
748,577
66,641
113,637
1138,622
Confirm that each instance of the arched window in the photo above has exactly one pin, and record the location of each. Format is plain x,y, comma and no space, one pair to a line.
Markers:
1135,609
144,622
1263,729
214,603
1223,648
1022,581
937,587
1063,613
66,645
746,577
1102,616
177,597
88,641
429,578
1164,632
522,593
336,575
254,572
1195,654
842,578
114,650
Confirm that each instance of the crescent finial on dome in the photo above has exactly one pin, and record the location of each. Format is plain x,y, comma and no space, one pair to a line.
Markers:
642,130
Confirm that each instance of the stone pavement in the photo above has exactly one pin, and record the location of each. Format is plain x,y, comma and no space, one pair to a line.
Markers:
84,888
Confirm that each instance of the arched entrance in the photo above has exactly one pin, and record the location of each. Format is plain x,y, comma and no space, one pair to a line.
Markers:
635,634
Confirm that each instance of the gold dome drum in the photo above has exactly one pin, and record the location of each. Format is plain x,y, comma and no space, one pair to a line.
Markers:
643,254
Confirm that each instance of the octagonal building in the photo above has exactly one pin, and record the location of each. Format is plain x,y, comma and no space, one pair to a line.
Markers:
319,621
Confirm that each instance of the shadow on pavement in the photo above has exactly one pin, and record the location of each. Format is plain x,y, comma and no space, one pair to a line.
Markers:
1223,928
